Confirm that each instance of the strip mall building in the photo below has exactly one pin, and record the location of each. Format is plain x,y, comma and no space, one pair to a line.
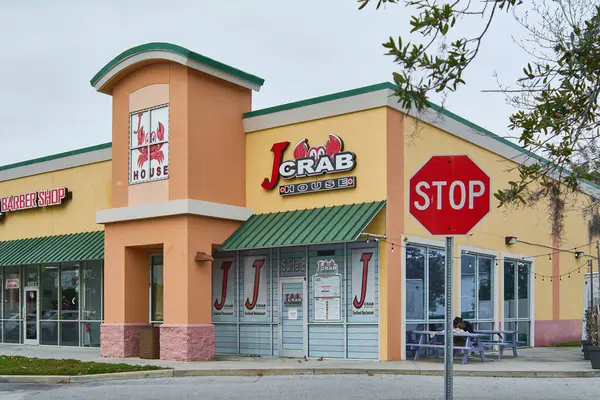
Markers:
274,232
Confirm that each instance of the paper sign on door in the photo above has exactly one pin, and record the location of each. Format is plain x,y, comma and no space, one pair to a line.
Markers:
292,313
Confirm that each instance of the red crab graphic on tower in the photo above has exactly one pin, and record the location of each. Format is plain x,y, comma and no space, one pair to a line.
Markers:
155,149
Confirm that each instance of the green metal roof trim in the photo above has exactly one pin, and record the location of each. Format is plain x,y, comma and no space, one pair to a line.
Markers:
179,50
320,99
303,227
57,156
49,249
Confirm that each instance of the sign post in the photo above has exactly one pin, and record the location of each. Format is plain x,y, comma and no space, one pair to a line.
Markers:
449,339
448,196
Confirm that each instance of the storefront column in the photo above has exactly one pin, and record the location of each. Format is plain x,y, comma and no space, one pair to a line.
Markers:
126,273
188,333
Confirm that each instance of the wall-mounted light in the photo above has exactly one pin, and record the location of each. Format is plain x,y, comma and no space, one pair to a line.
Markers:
579,254
202,256
510,240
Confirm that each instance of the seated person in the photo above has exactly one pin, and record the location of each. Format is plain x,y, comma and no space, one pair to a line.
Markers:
460,325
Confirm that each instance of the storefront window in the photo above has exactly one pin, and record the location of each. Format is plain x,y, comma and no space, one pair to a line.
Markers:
91,295
415,283
436,283
69,304
12,316
425,276
476,288
49,304
157,289
517,300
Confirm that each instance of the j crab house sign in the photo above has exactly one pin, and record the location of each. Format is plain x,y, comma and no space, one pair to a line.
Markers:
310,161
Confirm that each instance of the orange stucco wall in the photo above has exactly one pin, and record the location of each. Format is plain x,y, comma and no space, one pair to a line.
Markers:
187,283
206,162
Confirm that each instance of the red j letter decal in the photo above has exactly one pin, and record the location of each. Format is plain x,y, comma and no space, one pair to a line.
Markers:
277,149
225,267
366,257
257,266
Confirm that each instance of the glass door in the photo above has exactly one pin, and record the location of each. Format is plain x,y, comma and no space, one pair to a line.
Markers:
30,320
516,300
292,320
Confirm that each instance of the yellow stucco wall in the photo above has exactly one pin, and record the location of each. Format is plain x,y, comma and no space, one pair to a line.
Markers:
528,224
90,187
362,132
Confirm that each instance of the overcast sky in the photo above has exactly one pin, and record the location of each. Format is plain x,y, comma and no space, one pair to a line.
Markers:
51,49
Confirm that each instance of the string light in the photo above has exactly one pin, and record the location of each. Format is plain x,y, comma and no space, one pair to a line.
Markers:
522,266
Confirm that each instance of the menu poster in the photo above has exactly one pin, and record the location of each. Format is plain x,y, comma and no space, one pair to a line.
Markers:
256,270
363,282
223,287
327,289
328,309
327,285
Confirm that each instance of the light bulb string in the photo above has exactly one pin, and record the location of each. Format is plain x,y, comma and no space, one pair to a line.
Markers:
502,259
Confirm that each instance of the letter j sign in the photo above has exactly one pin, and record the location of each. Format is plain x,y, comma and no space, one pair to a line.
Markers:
449,195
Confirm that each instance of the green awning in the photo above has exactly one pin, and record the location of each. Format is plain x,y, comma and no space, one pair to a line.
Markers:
335,224
62,248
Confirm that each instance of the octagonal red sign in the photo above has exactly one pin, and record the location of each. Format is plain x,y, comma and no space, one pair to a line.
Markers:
449,195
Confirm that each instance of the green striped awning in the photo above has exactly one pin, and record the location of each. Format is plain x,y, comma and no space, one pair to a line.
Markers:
48,249
335,224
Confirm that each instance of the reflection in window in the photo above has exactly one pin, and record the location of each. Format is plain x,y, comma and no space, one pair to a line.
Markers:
11,287
468,265
69,291
516,299
476,287
436,284
509,290
49,292
425,277
91,294
157,288
415,283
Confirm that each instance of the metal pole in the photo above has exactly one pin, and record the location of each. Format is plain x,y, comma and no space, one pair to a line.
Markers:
449,353
592,280
591,284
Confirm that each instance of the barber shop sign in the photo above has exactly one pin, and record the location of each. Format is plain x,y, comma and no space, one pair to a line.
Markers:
311,161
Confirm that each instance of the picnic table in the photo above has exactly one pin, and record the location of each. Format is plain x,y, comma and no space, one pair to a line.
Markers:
428,340
501,342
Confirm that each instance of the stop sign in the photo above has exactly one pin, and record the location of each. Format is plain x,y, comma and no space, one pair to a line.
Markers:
449,195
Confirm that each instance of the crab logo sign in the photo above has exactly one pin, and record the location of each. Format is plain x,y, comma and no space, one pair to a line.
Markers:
449,195
149,145
309,161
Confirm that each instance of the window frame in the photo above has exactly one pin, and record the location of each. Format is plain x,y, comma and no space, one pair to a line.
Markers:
517,320
151,308
427,320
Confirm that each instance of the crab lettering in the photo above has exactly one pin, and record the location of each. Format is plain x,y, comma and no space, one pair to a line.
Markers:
309,161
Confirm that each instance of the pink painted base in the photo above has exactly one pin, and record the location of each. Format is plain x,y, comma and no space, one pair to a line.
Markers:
554,332
120,340
187,342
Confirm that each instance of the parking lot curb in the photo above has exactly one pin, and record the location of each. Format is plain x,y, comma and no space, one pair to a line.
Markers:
169,373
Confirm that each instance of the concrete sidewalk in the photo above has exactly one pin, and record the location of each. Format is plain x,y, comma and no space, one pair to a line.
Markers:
531,363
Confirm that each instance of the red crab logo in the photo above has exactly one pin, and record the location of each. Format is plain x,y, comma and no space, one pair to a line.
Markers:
155,149
333,146
309,161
